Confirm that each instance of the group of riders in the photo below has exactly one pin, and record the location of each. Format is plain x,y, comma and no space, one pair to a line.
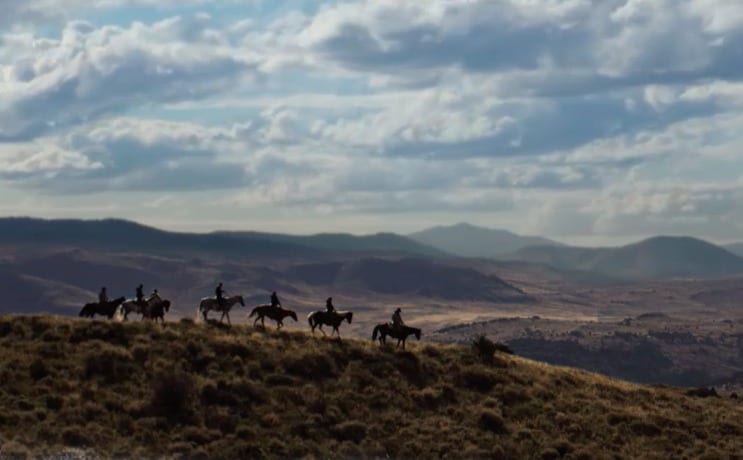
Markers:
219,292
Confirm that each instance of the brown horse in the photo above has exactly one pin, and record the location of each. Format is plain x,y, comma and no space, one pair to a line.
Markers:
335,319
107,309
275,313
400,333
157,311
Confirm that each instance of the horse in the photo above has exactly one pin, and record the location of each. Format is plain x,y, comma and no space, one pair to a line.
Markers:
132,305
335,319
210,303
400,333
157,311
107,309
275,313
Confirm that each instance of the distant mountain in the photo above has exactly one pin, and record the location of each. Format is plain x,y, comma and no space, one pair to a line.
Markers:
735,248
344,242
124,236
471,241
658,257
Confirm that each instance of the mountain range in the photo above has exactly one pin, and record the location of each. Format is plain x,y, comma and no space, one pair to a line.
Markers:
468,240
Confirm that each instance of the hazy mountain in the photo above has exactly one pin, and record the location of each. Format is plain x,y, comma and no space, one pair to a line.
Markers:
735,248
344,242
658,257
471,241
125,236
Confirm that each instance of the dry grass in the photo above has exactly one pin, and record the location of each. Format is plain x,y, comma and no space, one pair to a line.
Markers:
194,391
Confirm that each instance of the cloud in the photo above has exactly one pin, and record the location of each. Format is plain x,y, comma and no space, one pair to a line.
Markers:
90,72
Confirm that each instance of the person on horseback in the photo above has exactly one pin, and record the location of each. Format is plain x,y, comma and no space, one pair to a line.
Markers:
275,302
140,294
397,321
219,292
329,308
102,296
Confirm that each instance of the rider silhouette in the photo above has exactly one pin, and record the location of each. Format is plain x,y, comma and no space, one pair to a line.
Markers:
275,302
102,296
219,291
140,294
397,321
329,305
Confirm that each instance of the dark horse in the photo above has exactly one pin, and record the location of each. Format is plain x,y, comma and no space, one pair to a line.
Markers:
107,309
275,313
335,319
401,333
157,311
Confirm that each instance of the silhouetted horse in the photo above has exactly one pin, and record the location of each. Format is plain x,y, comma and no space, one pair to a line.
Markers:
157,311
210,303
107,309
400,333
275,313
132,306
320,317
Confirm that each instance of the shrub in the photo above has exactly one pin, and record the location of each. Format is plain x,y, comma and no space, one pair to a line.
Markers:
38,369
172,395
484,349
645,429
54,403
479,379
350,431
549,453
313,366
14,450
74,438
108,362
492,421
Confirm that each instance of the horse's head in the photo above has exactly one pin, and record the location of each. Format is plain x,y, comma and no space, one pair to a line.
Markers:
240,299
119,300
292,315
166,305
417,334
349,317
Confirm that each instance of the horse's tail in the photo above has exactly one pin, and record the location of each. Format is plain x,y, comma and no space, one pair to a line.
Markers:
253,312
311,319
376,332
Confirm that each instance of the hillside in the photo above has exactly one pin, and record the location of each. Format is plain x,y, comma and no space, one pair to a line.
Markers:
116,235
195,391
471,241
412,277
658,257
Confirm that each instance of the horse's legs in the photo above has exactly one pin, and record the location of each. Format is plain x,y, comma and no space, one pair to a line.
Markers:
255,323
228,318
279,323
319,326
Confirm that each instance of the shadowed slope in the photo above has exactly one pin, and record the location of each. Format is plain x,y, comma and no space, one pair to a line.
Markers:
196,391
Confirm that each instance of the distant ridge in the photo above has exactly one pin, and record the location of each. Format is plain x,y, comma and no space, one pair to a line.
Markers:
657,257
468,240
121,235
735,248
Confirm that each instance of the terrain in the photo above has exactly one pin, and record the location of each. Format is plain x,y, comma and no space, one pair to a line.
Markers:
468,240
658,257
78,388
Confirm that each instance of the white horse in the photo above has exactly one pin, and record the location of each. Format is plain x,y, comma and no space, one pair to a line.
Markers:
132,305
210,303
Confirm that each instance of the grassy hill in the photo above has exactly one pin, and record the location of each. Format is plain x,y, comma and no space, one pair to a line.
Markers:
199,391
471,241
658,257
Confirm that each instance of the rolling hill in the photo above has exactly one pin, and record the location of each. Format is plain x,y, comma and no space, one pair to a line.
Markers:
116,235
471,241
93,389
658,257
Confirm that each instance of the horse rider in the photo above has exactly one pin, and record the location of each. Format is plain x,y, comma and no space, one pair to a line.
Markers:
219,292
329,308
154,295
397,321
275,302
102,296
140,294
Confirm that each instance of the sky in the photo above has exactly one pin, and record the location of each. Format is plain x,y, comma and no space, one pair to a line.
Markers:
590,121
